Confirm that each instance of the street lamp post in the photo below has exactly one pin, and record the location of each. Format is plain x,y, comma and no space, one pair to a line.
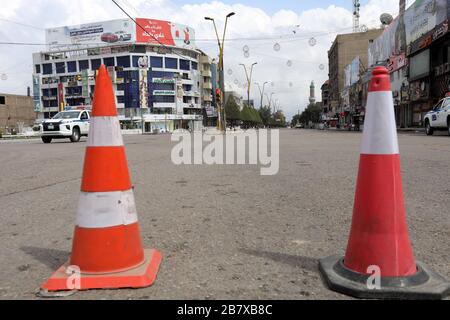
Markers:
221,121
270,99
249,79
261,92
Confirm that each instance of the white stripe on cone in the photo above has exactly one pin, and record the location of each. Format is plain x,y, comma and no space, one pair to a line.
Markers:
104,132
106,209
380,131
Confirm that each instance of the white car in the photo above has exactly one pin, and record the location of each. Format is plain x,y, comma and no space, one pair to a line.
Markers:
439,117
66,124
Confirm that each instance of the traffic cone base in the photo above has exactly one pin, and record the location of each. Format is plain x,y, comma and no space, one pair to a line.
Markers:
143,275
424,284
379,260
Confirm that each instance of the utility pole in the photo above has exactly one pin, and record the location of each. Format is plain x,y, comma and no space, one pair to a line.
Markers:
249,79
270,99
221,121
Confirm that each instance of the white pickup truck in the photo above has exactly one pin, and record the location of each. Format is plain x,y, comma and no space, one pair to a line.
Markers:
439,117
66,124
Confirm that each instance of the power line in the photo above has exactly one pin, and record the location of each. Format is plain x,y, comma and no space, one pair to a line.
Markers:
21,24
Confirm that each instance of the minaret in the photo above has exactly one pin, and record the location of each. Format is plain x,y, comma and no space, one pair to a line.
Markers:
312,98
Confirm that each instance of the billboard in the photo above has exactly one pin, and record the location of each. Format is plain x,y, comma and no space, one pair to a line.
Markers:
165,32
423,16
120,31
351,72
384,46
403,34
37,93
91,34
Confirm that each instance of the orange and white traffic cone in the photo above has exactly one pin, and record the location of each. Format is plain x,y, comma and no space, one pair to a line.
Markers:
379,261
106,250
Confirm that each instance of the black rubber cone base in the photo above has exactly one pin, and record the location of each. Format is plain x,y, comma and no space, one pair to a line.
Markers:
425,284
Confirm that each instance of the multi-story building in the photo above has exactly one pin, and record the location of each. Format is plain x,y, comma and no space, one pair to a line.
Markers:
325,89
428,53
415,50
343,50
16,112
154,72
208,84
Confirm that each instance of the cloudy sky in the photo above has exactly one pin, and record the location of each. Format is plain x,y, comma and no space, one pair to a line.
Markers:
258,24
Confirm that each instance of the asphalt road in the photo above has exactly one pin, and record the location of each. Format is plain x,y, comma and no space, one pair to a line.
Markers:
225,232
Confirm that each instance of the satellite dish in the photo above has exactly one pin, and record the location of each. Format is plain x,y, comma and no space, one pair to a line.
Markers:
386,19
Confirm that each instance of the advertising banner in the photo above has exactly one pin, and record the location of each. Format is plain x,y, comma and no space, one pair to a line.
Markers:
36,93
179,95
91,34
85,86
423,16
61,96
165,32
351,72
143,88
384,46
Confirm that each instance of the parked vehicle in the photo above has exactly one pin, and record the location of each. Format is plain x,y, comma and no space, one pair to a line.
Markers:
439,117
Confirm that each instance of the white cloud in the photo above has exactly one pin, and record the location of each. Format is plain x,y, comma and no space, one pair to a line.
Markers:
249,23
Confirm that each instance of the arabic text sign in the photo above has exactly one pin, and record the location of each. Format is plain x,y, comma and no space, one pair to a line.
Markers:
164,32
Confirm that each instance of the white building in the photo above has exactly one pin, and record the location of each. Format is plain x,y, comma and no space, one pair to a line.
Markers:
156,82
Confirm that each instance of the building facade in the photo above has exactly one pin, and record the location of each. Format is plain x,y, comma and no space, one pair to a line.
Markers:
415,50
343,50
16,112
155,73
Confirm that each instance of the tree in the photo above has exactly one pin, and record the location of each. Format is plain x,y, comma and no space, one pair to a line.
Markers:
232,110
246,116
311,113
265,115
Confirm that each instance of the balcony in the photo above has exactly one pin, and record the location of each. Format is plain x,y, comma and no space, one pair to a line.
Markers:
205,73
207,85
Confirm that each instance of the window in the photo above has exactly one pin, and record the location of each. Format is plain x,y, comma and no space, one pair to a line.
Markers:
120,86
164,99
184,64
171,63
419,65
2,100
37,68
84,116
60,67
120,99
163,86
162,74
123,61
194,65
156,62
438,106
47,68
71,66
95,63
83,65
136,61
109,62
